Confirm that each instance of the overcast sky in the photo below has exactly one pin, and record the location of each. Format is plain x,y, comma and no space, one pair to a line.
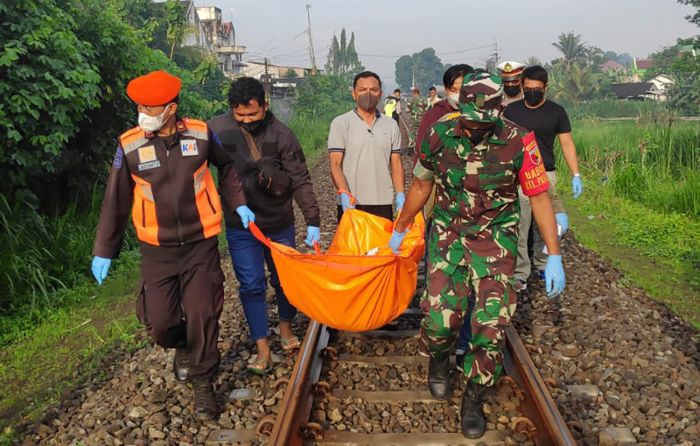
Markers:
460,31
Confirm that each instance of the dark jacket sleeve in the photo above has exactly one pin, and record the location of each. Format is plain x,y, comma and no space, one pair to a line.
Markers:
230,186
116,206
294,163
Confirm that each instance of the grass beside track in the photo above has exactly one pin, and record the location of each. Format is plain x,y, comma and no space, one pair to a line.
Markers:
67,347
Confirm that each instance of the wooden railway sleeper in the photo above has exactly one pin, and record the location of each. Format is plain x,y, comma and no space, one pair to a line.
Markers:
312,431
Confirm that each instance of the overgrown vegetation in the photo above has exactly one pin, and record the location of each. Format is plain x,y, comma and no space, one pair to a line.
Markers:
657,165
318,101
68,347
641,207
64,67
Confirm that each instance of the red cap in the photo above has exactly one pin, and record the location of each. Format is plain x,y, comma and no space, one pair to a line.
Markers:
155,88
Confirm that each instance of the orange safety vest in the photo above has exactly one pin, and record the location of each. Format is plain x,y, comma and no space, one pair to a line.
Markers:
175,197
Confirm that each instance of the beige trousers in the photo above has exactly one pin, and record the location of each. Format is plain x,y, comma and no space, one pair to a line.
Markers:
523,266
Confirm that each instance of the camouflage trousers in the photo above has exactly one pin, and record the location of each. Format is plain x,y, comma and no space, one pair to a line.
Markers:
443,305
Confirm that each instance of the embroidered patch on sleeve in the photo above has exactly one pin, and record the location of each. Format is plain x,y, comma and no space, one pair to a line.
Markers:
533,177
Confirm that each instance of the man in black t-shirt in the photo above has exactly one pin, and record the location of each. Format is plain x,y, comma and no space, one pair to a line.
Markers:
548,120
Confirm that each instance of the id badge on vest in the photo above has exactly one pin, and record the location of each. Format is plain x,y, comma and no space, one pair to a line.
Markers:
188,147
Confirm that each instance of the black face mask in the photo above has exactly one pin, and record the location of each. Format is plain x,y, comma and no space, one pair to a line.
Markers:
533,97
478,135
255,126
512,90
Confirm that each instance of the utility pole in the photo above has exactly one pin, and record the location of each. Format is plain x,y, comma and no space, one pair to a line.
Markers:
495,52
267,84
312,56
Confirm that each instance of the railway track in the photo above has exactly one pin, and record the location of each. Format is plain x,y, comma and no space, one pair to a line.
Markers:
318,381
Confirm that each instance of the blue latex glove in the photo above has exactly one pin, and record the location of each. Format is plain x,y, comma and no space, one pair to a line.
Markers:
396,240
313,234
400,199
577,186
345,202
554,276
563,221
246,215
100,268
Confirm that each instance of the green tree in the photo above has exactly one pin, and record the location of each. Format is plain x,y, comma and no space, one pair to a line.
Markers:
695,18
532,60
425,65
571,47
290,73
177,24
342,57
47,82
572,84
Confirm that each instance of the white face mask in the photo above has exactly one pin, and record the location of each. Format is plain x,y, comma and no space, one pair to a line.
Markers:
453,99
151,123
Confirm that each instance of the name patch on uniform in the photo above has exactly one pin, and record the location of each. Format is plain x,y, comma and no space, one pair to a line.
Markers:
147,154
149,165
188,147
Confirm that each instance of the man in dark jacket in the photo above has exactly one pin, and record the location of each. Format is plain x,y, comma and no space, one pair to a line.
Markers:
160,175
272,168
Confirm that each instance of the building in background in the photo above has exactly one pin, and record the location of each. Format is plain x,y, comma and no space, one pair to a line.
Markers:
261,70
207,30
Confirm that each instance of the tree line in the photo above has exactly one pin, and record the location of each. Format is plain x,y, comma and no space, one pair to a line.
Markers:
576,76
64,66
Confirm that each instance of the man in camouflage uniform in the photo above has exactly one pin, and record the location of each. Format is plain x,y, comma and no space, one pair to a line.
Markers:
476,160
415,108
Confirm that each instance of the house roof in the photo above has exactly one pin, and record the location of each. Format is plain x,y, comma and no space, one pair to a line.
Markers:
642,64
611,65
631,89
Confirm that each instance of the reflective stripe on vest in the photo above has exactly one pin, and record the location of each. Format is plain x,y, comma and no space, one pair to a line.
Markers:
207,201
143,213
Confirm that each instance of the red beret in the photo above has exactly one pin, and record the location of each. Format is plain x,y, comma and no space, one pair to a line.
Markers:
155,88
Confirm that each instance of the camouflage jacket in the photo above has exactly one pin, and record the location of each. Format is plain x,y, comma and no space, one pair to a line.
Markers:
415,108
476,210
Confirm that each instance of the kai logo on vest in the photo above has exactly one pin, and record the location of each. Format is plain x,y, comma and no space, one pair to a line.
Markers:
188,147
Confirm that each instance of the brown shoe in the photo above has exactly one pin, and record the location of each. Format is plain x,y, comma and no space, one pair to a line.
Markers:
205,405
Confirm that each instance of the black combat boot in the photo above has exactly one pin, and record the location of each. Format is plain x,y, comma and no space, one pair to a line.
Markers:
205,405
472,412
181,365
439,378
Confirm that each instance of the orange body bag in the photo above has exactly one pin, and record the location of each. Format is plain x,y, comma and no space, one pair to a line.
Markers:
345,288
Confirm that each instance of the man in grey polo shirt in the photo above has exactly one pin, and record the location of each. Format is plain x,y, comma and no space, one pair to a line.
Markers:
365,153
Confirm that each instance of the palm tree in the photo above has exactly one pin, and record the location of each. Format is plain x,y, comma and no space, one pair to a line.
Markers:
571,47
532,60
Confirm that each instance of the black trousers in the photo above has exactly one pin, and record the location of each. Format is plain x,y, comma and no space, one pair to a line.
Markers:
380,210
181,298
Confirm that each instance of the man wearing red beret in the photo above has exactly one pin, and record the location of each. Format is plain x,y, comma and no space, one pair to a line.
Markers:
161,175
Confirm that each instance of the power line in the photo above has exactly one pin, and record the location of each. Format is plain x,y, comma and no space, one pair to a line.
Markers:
466,50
